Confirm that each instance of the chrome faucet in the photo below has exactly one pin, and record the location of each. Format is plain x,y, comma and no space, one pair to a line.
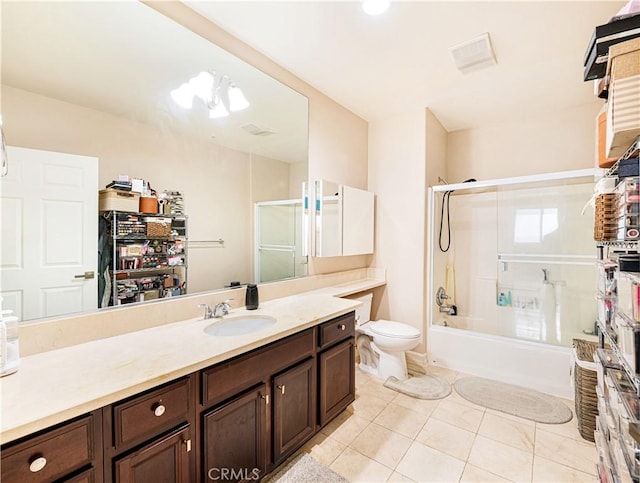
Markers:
221,309
441,296
448,309
208,313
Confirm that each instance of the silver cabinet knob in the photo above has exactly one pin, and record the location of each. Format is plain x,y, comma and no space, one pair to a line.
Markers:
342,327
159,410
38,464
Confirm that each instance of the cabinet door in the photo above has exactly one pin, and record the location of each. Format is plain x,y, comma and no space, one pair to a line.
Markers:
337,380
163,460
235,437
294,396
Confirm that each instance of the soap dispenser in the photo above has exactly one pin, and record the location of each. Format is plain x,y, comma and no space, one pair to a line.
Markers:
251,298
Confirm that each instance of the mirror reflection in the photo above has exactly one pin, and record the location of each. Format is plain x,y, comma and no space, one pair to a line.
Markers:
93,80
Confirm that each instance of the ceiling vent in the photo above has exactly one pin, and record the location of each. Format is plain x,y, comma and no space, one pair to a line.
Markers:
473,54
257,130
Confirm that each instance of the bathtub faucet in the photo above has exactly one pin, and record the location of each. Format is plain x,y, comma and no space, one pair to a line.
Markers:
448,309
441,296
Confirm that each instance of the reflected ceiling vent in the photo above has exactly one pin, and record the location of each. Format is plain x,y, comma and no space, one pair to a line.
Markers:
473,54
257,130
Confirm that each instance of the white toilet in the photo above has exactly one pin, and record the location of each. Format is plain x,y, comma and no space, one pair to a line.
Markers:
382,344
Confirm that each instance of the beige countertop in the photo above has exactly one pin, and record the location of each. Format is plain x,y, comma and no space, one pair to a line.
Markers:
57,385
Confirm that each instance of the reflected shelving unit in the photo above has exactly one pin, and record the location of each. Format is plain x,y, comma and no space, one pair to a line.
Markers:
144,257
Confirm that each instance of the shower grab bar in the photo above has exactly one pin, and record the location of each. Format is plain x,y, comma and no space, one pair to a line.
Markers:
544,255
547,262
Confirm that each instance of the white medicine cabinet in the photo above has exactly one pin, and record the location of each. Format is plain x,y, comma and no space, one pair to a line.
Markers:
343,220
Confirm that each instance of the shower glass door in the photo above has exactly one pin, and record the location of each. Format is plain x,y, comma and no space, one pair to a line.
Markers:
279,233
545,264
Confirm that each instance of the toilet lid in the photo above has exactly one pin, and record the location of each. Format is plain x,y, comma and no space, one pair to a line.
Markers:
394,329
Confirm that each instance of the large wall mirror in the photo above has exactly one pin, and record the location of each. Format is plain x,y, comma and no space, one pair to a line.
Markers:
94,79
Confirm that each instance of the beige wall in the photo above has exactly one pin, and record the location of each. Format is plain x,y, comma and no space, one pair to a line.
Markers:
269,179
560,141
337,137
397,174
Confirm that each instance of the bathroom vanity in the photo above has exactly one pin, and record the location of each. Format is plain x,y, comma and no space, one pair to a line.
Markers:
254,401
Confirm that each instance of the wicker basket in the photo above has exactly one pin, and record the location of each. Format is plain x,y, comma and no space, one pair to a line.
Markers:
158,226
586,379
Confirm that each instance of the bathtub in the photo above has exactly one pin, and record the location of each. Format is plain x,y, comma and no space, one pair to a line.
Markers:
535,365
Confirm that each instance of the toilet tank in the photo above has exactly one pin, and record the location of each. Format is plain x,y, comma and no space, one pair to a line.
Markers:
363,313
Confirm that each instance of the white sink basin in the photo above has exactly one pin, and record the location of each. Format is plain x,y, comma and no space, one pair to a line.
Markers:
239,325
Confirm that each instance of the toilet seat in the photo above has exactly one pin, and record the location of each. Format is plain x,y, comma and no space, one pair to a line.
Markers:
394,330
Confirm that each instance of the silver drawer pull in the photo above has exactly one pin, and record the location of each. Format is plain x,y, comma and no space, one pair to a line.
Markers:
38,464
342,327
281,389
159,410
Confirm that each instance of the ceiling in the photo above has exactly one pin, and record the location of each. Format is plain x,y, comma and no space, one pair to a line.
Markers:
399,61
125,58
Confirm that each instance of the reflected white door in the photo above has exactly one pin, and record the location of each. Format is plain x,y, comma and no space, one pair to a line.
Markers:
49,233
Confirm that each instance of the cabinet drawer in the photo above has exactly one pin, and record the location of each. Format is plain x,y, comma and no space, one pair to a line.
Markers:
51,455
229,378
336,330
146,415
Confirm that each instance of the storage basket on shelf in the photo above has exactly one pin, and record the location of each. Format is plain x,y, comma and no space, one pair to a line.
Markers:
585,381
158,226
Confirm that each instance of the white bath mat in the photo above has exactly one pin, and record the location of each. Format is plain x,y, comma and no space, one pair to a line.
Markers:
423,386
516,400
305,469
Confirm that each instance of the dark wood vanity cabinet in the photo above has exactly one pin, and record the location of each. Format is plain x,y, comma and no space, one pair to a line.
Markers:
294,408
235,421
235,438
148,437
337,387
163,460
71,451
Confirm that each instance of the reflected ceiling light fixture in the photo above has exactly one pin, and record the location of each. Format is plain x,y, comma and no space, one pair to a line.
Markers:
375,7
218,93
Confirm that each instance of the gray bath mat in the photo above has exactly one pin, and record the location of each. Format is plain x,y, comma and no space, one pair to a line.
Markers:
423,386
516,400
305,469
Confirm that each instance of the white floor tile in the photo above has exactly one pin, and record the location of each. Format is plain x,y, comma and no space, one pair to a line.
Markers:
345,428
547,471
401,420
381,444
508,431
356,467
447,438
566,451
425,464
460,415
501,459
323,448
367,406
473,474
423,406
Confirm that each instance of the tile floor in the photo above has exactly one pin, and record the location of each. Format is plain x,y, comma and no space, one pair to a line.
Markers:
386,436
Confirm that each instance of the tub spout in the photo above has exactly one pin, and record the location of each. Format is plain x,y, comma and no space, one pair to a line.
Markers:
448,309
